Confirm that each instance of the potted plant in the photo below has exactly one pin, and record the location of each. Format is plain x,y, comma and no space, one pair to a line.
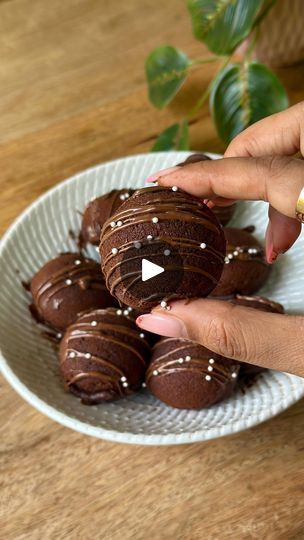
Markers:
241,93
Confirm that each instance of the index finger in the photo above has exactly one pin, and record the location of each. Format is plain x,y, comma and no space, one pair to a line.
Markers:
277,180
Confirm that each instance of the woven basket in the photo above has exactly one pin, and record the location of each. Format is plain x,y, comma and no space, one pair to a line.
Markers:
281,40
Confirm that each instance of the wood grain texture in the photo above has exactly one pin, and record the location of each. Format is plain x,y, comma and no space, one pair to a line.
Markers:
72,95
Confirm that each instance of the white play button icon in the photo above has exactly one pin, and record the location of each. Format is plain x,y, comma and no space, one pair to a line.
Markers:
149,270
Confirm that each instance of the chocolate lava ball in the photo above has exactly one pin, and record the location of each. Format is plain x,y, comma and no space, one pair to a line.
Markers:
262,304
246,269
170,229
66,286
185,375
98,211
103,356
223,213
194,158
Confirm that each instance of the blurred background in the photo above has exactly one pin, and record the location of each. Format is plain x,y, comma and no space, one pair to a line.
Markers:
73,88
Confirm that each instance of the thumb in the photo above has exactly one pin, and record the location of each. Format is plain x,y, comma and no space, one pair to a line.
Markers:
268,340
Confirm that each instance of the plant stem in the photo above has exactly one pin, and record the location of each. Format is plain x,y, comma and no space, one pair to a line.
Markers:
200,61
252,44
207,91
264,12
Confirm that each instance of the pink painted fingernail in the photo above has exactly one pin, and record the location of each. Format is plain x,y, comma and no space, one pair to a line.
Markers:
210,204
271,255
164,325
154,177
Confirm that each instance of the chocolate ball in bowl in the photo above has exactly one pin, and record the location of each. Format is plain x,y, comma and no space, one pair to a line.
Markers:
98,211
171,229
66,286
245,270
185,375
103,356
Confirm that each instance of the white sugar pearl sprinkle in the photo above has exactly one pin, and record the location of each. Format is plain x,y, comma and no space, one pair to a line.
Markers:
125,384
167,252
211,360
203,245
234,375
163,304
208,378
114,251
119,223
144,385
180,360
227,260
93,323
123,379
119,312
88,355
113,224
137,245
72,354
155,219
235,253
188,358
125,312
155,372
149,237
130,309
68,282
210,368
77,262
127,195
142,335
59,335
174,188
230,256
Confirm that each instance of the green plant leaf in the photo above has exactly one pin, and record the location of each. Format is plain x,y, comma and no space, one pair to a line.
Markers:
175,137
166,70
223,24
243,94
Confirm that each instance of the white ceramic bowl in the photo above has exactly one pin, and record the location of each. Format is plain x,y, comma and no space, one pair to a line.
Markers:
29,363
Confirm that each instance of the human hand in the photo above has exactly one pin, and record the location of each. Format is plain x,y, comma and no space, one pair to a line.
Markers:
269,340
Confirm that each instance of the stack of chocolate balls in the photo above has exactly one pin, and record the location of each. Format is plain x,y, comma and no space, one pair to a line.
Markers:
91,312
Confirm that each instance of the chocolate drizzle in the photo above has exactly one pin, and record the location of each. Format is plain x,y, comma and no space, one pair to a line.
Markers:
275,307
180,208
165,365
98,211
86,275
111,334
185,210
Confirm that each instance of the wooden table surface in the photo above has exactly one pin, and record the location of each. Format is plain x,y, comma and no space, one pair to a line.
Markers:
72,95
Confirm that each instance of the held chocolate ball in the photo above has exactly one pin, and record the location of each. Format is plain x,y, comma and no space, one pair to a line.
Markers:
66,286
245,269
223,213
98,211
171,229
262,304
103,356
185,375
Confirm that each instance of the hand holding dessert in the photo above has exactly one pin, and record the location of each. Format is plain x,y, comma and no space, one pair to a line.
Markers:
257,166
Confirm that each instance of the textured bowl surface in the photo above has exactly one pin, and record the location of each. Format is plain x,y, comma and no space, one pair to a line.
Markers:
28,360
